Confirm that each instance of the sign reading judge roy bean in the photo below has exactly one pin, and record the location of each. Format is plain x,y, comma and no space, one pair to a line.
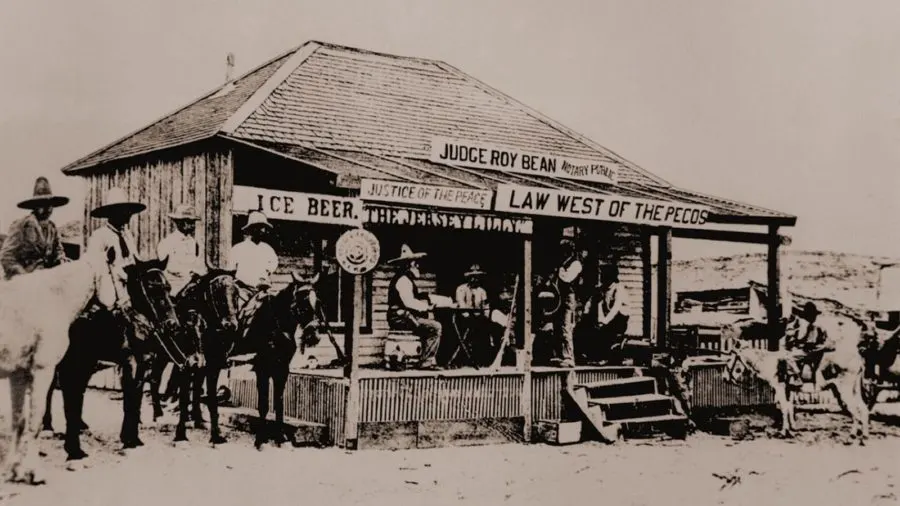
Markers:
591,206
412,193
488,156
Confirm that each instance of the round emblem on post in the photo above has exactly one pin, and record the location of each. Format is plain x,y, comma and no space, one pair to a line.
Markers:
357,251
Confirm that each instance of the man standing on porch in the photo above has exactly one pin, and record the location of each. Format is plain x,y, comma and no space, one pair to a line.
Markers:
408,310
252,259
569,275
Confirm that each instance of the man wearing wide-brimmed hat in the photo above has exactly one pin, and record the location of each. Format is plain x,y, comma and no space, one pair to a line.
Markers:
114,239
184,253
253,260
569,274
408,309
33,241
803,336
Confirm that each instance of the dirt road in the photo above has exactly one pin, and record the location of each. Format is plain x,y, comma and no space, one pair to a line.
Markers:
816,468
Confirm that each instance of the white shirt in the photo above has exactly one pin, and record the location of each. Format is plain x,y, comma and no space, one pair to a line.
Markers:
569,274
105,239
253,262
185,256
405,289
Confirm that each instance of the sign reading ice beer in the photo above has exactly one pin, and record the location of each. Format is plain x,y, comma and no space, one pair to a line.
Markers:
294,206
591,206
423,194
491,157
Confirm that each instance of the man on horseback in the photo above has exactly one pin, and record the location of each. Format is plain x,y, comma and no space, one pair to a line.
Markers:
114,241
184,253
803,339
33,241
253,261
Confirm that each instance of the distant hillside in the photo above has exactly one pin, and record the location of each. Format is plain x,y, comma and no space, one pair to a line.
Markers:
850,279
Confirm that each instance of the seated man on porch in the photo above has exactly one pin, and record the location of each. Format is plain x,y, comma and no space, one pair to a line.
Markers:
803,339
484,325
408,309
602,338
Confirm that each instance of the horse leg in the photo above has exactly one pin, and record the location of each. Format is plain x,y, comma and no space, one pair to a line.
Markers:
279,380
73,386
184,393
18,382
784,405
47,422
155,380
131,398
28,469
197,375
212,384
262,394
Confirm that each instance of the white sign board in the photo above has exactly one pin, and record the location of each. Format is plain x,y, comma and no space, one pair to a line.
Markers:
491,157
889,290
592,206
384,215
426,195
294,206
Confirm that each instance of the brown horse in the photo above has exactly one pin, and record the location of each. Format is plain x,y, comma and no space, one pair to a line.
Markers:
208,305
132,339
840,369
269,335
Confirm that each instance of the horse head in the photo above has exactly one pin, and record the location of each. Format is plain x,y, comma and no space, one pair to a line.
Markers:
739,368
149,291
306,307
221,294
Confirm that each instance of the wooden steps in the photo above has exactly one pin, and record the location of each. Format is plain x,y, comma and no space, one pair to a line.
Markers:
628,407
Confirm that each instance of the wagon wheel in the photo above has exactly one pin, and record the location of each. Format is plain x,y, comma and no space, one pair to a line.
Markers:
869,392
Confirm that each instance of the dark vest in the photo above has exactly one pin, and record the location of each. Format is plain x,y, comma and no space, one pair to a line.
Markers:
395,303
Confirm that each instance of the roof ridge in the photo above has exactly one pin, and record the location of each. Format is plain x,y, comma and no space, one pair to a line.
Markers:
158,120
352,49
554,124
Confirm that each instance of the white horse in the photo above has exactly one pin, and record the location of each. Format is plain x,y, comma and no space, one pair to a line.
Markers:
36,311
840,370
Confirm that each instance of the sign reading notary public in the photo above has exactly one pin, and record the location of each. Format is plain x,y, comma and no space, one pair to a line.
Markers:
592,206
423,194
491,157
295,206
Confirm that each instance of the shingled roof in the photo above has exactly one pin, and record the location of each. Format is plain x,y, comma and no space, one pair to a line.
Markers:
360,110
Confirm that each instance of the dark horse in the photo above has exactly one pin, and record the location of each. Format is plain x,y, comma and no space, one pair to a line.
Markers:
129,338
269,335
208,305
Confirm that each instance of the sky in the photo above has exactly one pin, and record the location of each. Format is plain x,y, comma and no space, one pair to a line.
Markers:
787,104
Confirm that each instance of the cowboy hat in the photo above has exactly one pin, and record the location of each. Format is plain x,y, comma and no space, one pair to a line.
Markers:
43,197
475,270
117,203
257,218
406,254
184,212
809,309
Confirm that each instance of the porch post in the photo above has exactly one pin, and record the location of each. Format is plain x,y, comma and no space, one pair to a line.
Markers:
664,287
773,308
351,368
528,341
647,282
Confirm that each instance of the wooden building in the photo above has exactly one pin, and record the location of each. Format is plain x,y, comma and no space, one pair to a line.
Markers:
325,124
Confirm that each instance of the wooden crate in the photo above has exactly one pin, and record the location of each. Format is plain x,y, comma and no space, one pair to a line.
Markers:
558,432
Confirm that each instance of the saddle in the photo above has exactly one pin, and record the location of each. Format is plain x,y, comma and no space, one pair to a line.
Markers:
249,307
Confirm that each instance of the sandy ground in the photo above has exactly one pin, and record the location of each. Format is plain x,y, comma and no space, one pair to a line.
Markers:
815,468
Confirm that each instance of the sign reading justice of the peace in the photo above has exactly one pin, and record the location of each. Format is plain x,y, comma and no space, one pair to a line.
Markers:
489,156
422,194
443,219
357,251
591,206
294,206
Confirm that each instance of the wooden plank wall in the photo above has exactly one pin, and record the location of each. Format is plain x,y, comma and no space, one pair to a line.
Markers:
203,179
624,248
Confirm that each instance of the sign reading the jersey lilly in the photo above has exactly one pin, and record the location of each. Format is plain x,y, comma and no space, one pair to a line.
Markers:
488,156
294,206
